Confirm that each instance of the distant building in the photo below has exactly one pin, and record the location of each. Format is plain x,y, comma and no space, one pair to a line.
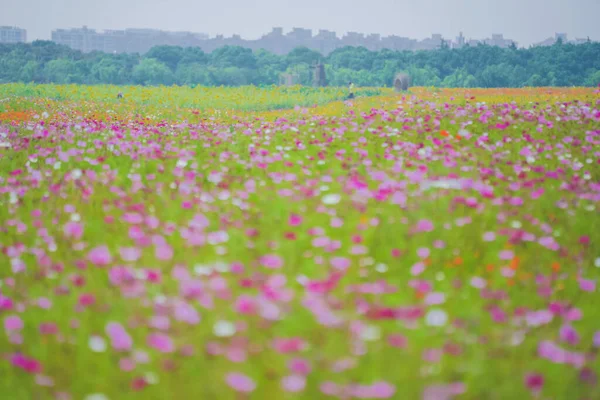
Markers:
460,41
12,34
499,41
562,37
124,41
276,41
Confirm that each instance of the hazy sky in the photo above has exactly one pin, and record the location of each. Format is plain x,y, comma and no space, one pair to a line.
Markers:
526,21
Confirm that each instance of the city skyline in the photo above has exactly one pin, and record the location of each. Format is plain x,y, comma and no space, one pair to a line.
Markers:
525,21
134,40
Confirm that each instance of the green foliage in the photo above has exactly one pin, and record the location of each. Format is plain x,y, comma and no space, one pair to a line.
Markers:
150,71
478,66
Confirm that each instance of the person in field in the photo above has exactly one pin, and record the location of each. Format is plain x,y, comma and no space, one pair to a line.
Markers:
350,90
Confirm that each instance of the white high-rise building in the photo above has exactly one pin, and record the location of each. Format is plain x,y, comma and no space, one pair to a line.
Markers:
12,34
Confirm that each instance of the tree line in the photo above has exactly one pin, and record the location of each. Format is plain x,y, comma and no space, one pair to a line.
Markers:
477,66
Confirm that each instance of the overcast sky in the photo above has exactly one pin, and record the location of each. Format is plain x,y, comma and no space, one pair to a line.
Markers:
526,21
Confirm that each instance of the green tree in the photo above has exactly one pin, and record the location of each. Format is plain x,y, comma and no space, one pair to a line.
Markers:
303,55
593,79
62,70
30,72
152,72
233,56
168,55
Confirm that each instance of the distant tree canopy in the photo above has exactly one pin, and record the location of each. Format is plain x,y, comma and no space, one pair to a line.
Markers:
478,66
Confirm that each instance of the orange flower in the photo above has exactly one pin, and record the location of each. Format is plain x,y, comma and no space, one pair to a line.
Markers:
555,266
514,263
444,133
457,261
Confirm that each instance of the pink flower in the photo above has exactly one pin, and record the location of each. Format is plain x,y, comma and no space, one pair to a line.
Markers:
293,383
161,342
87,299
397,340
100,256
73,230
13,323
164,252
246,305
340,263
119,338
295,220
506,255
534,382
330,388
423,252
127,364
382,390
299,366
130,254
271,261
185,312
587,285
489,236
424,225
292,345
569,335
28,364
240,382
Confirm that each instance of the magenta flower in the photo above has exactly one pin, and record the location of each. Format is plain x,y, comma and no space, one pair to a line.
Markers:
13,323
164,252
534,382
295,220
73,230
293,383
240,382
271,261
130,254
30,365
569,335
161,342
587,285
100,256
119,338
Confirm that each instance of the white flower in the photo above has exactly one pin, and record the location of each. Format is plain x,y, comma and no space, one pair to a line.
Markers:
381,268
151,378
97,344
597,262
96,396
330,199
200,269
370,333
436,317
224,329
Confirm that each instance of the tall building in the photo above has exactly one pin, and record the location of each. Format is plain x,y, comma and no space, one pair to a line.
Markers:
124,41
12,34
499,41
276,41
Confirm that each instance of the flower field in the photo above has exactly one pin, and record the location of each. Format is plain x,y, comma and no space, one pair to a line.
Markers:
224,244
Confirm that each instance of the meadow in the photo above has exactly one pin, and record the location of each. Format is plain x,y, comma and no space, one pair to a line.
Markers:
283,243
